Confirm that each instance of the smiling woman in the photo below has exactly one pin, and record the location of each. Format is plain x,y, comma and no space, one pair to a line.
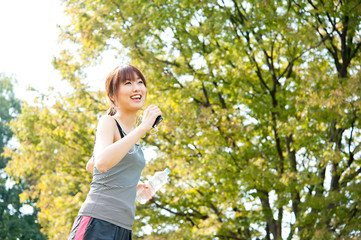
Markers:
109,208
122,83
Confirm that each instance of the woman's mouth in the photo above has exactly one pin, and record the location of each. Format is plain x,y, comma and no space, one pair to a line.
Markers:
136,97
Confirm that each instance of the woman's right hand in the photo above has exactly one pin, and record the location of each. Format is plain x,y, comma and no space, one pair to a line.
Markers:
149,116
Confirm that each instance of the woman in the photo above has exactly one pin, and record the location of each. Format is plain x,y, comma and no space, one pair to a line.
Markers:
109,209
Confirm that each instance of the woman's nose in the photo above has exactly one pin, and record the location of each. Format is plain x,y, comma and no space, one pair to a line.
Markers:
136,88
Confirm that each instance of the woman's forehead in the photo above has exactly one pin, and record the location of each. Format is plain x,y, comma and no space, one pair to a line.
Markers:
131,76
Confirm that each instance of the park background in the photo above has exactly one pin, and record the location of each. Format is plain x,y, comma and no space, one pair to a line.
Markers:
261,101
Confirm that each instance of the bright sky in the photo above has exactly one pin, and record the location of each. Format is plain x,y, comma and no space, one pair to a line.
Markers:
29,41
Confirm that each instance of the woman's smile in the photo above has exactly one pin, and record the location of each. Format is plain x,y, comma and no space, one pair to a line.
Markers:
136,97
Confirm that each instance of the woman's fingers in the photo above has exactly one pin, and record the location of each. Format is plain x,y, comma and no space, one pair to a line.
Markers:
150,115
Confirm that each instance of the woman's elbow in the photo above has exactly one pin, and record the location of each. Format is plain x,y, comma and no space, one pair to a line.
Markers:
100,166
90,166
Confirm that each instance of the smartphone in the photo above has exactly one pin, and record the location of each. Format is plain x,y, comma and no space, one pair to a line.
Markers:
157,121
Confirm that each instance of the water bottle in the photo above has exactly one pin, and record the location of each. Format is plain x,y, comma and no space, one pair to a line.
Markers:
153,185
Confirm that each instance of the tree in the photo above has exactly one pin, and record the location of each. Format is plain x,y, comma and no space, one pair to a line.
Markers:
261,101
14,224
56,140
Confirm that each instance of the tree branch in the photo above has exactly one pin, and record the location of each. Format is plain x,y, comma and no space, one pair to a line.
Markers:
186,215
266,208
213,207
350,177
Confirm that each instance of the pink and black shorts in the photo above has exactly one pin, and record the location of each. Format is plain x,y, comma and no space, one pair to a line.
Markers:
88,228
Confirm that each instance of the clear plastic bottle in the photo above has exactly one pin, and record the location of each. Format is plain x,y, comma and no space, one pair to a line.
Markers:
152,186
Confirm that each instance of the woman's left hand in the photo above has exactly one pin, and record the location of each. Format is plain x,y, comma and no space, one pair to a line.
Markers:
147,193
141,185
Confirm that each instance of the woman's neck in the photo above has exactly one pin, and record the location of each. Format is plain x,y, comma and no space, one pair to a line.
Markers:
126,120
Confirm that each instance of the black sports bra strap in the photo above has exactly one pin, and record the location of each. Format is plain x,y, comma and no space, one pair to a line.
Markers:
120,129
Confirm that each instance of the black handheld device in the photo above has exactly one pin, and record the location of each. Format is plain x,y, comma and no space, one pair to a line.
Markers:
157,121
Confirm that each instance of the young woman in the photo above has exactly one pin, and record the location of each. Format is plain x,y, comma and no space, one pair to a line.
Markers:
109,209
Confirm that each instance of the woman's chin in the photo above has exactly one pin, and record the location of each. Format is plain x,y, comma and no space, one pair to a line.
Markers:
136,107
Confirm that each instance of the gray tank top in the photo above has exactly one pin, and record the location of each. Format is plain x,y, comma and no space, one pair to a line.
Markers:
112,193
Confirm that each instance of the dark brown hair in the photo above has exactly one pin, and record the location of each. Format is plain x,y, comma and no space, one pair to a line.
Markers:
120,74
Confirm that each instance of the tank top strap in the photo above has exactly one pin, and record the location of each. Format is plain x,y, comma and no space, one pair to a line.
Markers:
122,134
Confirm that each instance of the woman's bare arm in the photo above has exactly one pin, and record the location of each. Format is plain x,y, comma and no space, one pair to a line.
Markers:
107,154
90,165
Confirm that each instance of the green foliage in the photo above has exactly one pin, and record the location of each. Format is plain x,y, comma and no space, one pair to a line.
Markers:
261,101
14,223
56,142
9,108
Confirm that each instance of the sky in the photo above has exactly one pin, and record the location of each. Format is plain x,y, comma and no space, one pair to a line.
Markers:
28,43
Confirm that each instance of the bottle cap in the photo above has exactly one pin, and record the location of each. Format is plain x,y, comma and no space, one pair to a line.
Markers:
167,170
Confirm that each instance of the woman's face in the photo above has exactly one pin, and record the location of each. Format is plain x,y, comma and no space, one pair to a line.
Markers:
132,94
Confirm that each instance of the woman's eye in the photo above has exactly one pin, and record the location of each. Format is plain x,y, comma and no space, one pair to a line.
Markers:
128,82
141,82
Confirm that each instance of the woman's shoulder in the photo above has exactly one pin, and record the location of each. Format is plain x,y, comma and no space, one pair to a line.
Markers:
106,117
106,120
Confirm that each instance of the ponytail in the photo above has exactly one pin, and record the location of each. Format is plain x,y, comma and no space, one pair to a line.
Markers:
112,111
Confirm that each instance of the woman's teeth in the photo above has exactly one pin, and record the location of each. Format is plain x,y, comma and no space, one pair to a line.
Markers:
138,97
